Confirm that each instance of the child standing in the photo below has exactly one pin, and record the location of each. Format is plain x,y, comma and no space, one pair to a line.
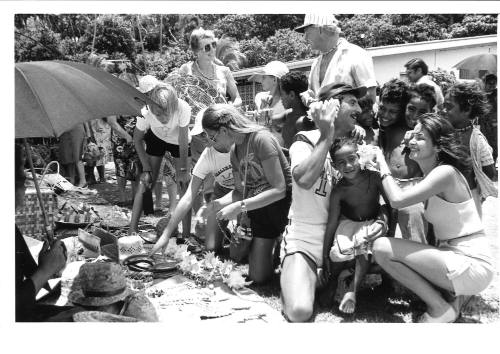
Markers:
367,120
354,207
464,103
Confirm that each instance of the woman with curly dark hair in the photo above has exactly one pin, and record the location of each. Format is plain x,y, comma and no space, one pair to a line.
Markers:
461,264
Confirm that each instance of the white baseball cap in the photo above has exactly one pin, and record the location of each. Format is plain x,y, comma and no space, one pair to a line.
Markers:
274,68
147,83
317,20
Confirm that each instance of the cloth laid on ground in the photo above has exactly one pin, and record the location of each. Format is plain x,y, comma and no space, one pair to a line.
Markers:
179,299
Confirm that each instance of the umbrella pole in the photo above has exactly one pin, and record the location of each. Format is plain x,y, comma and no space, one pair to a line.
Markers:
48,229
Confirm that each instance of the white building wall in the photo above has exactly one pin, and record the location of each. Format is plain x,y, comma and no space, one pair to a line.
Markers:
390,66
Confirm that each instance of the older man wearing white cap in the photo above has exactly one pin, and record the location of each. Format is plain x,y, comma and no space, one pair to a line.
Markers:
339,62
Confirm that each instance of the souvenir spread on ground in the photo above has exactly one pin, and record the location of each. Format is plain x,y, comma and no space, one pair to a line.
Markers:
185,283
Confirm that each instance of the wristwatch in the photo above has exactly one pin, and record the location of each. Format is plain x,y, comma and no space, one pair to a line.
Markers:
183,169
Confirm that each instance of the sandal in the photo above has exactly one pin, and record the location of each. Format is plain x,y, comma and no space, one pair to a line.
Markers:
449,316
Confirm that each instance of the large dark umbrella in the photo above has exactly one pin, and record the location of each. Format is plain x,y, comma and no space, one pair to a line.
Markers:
54,96
479,62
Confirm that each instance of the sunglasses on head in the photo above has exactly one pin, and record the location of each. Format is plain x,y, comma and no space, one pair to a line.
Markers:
209,46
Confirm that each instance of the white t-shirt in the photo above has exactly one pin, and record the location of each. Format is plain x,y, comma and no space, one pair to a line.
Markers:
261,99
350,64
167,132
310,206
216,163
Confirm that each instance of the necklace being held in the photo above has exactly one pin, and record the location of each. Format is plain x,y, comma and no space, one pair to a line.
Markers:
202,73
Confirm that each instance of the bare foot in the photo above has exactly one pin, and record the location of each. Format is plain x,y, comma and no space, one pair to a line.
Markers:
348,303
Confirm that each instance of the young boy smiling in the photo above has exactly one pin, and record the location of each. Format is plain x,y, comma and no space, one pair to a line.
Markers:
354,207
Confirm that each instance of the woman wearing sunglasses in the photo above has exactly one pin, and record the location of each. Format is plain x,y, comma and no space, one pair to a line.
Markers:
262,182
461,265
203,44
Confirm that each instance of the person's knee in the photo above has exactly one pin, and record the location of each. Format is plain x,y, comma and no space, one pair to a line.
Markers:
381,249
299,312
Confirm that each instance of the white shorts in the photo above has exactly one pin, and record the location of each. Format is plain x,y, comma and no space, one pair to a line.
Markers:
304,238
349,233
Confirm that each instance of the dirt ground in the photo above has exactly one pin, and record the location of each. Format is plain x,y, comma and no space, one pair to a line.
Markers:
377,304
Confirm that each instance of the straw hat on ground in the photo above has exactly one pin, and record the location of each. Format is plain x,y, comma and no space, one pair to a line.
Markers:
101,284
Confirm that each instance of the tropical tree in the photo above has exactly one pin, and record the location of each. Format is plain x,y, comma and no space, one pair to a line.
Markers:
35,41
287,45
228,52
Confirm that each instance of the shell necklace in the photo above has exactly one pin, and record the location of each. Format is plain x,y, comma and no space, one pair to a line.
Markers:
203,74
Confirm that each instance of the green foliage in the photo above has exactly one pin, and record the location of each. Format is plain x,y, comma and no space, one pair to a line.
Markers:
235,26
113,35
443,78
35,41
255,51
266,25
160,65
287,45
228,52
258,38
474,25
379,30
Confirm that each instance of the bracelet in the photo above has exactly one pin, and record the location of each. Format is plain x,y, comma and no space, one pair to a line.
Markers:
243,206
384,175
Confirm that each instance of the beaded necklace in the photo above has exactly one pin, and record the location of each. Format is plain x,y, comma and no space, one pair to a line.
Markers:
201,72
464,129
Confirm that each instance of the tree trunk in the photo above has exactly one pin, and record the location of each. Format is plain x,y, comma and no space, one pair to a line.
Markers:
161,34
95,32
142,44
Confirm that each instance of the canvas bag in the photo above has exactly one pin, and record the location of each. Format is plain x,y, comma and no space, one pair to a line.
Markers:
55,181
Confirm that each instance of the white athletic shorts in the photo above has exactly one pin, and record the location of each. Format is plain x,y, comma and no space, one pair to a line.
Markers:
303,238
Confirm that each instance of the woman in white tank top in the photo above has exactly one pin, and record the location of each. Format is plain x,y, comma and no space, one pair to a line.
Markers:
460,264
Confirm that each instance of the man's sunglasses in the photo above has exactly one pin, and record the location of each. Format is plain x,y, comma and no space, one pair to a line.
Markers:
207,46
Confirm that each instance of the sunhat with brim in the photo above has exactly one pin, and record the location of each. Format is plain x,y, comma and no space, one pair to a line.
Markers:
197,127
317,20
99,316
274,68
333,90
101,284
147,83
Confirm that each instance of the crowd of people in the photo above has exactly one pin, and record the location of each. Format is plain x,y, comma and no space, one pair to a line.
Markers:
346,174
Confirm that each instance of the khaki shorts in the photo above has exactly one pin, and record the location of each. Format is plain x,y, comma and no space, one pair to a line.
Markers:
468,275
466,260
